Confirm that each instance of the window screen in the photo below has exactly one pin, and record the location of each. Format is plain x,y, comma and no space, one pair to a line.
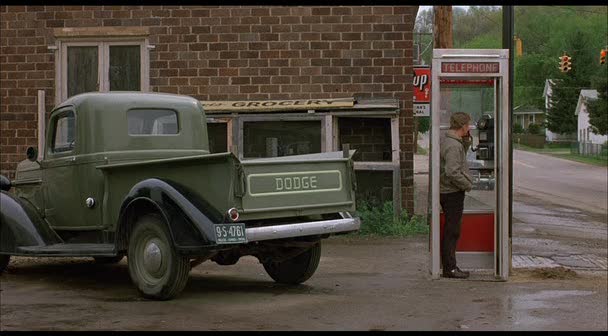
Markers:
125,67
82,70
152,122
281,138
64,139
218,137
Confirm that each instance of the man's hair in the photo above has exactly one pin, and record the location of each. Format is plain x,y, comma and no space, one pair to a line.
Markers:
459,119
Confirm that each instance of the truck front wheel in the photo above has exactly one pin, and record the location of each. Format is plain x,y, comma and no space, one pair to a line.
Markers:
155,267
297,269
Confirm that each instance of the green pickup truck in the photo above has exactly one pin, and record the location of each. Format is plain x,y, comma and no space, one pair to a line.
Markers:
130,174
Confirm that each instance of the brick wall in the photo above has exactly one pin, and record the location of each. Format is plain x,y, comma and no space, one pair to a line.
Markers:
216,53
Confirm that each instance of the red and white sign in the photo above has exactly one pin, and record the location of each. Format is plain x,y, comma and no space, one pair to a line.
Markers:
470,67
422,91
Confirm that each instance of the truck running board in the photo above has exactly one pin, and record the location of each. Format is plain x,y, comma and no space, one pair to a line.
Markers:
69,250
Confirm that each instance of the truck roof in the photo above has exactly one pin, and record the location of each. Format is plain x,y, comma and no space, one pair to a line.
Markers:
103,125
121,98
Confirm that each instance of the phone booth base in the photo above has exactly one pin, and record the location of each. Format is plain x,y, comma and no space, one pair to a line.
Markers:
475,248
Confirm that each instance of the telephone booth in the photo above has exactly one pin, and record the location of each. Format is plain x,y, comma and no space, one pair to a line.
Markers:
474,81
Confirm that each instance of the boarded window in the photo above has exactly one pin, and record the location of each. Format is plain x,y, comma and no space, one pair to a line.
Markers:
374,187
152,122
64,139
218,137
125,68
281,138
83,64
371,137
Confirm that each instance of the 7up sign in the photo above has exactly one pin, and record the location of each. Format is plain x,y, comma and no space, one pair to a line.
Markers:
422,91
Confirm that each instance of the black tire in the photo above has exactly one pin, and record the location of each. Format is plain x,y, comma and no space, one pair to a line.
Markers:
108,260
155,267
4,260
297,269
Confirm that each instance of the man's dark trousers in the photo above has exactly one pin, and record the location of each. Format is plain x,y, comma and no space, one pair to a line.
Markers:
452,205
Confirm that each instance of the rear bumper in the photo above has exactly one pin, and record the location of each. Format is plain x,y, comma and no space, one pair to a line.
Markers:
303,229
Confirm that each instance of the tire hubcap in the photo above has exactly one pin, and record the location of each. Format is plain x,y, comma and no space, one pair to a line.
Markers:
152,259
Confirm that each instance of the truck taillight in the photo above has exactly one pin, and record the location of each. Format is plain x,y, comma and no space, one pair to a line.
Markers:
233,214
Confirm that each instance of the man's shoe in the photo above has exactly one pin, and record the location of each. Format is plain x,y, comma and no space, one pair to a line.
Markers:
465,272
455,273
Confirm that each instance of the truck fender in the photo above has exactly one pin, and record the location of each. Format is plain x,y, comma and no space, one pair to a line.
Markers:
21,225
190,219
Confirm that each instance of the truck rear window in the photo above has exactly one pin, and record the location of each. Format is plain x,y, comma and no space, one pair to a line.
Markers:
152,122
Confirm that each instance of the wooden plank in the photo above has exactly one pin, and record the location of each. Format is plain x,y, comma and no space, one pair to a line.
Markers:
395,149
367,165
327,140
245,106
41,123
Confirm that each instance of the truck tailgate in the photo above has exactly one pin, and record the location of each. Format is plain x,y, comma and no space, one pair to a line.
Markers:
298,185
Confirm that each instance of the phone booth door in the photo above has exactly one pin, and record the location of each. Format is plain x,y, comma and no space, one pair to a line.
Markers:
474,81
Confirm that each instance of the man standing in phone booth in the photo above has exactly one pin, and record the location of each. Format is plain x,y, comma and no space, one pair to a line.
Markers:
454,182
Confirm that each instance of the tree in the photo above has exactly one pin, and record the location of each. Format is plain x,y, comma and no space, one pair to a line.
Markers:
424,124
566,90
598,108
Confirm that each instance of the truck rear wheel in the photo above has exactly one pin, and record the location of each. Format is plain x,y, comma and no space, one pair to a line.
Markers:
155,267
4,260
297,269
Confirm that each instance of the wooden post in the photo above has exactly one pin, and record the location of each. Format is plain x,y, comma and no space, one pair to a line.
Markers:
442,27
41,123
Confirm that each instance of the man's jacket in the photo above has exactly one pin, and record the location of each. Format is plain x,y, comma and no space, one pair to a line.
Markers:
454,173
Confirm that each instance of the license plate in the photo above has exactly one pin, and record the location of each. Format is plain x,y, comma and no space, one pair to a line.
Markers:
233,233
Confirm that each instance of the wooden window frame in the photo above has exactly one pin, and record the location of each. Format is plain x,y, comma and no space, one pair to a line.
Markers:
103,44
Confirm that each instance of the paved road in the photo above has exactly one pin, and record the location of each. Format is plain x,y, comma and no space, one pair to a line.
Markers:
561,181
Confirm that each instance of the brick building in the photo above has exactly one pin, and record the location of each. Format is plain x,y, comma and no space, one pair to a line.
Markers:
212,54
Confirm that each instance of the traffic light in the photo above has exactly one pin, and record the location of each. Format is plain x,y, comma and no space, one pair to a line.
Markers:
565,63
603,56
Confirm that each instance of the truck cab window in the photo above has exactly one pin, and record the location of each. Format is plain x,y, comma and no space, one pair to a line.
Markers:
152,122
64,138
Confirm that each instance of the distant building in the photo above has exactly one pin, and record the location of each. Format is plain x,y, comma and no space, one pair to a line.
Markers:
527,115
584,129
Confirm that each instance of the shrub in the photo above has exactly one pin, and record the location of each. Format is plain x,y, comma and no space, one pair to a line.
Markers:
379,220
517,128
534,129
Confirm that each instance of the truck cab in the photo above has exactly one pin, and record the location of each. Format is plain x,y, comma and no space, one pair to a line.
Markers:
130,174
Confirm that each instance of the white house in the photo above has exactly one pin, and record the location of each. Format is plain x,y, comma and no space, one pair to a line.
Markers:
585,130
550,136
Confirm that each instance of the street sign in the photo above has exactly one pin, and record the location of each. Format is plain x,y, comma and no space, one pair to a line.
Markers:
422,91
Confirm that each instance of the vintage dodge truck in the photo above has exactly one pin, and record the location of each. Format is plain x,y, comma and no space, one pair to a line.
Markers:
130,174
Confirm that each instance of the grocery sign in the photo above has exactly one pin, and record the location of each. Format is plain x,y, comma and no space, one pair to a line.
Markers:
422,91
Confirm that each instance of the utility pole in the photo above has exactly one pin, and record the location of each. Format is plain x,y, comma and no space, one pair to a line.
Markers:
442,27
442,39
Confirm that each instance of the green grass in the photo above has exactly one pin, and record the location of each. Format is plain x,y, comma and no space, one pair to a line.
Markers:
563,151
380,221
598,161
